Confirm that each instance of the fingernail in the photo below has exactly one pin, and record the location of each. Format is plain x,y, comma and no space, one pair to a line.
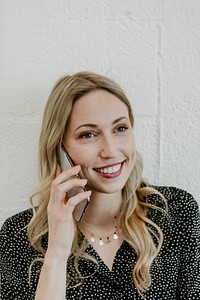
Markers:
89,193
77,168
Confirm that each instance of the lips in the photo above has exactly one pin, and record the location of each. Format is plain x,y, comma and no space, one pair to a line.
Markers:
109,169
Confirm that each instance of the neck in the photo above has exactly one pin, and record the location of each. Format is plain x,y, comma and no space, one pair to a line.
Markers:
102,209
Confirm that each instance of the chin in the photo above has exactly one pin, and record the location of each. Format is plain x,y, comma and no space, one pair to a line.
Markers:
106,189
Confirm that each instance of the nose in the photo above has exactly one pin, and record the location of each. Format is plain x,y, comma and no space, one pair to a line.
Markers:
108,148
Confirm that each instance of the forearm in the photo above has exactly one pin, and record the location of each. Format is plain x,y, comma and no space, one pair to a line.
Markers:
52,281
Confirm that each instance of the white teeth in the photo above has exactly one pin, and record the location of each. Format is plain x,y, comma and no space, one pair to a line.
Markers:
110,170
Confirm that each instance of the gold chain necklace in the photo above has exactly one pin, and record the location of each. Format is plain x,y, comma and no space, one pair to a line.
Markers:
102,240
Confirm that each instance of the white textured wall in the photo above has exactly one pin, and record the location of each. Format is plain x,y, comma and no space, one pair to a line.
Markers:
151,47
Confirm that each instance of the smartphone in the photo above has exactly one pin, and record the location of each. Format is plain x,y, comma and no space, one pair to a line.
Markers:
65,162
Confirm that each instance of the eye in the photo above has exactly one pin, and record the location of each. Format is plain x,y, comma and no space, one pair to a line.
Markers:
121,128
87,135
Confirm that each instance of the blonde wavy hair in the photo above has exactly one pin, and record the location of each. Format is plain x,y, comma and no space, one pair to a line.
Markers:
137,228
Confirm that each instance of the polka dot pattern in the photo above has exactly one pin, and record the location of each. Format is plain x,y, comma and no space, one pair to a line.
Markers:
175,272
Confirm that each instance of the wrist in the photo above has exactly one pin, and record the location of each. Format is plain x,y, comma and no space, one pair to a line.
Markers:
53,257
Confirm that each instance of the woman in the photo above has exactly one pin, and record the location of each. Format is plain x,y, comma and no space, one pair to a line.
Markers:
134,241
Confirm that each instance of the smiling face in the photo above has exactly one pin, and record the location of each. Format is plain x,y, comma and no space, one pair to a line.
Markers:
99,137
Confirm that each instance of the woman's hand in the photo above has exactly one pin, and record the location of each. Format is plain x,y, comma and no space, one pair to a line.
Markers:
60,212
52,281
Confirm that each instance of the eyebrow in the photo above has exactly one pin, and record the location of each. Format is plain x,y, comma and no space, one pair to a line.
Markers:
94,125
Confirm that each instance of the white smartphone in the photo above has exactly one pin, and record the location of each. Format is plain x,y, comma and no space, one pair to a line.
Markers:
65,163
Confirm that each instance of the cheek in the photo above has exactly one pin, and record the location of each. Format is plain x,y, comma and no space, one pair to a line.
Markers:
134,157
131,149
84,171
83,157
132,153
80,156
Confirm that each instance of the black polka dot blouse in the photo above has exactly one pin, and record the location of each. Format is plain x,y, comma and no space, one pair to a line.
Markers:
175,273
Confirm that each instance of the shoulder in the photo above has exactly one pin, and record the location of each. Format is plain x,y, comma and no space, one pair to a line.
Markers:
14,242
178,199
16,223
183,209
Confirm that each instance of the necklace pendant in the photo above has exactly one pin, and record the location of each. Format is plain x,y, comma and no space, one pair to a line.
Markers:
108,240
92,239
101,243
115,236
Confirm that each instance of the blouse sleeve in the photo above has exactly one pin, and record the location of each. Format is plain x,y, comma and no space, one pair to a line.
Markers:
14,283
189,274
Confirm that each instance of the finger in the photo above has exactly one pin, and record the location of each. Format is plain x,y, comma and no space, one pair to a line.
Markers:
66,174
64,187
72,202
